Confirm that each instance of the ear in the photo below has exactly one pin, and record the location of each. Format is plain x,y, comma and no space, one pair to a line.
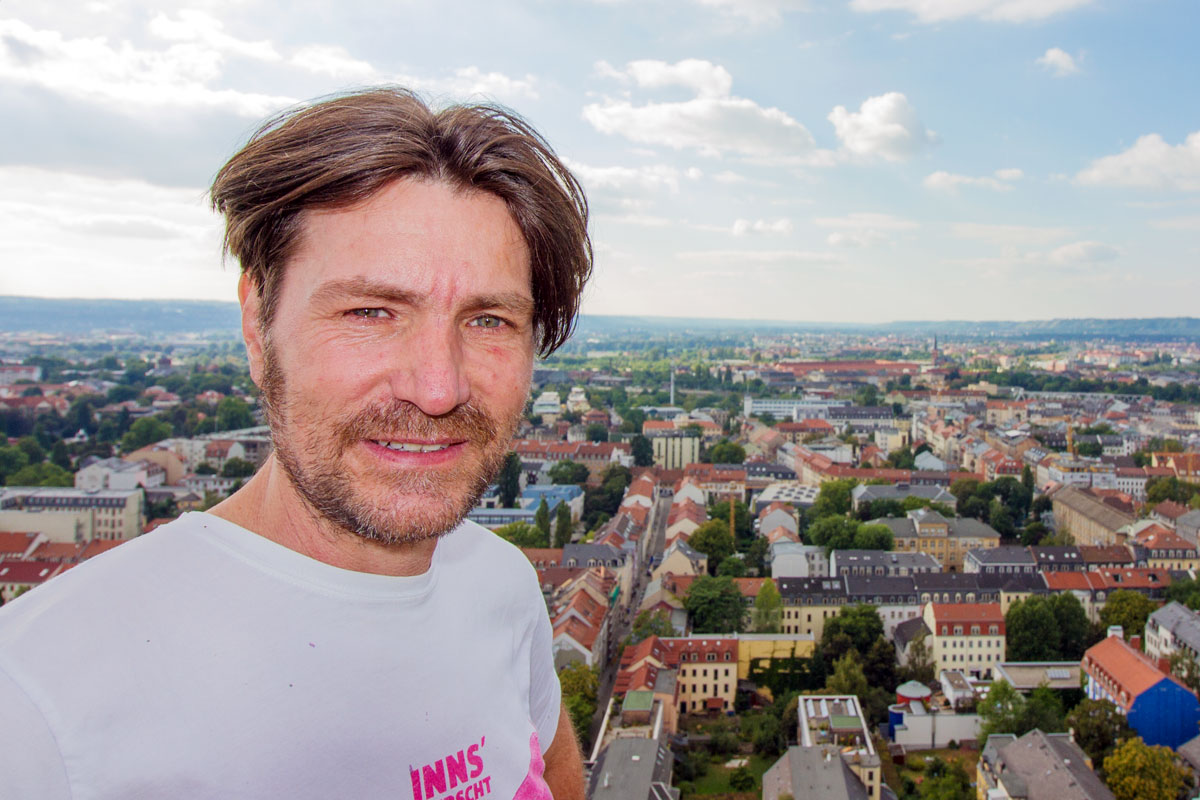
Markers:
251,330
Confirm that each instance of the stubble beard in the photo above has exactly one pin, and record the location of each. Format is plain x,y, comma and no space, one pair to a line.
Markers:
316,468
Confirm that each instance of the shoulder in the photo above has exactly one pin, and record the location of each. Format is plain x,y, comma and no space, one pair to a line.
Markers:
113,582
473,550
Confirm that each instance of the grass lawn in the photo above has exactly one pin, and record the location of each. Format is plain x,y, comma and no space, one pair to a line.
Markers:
967,758
716,781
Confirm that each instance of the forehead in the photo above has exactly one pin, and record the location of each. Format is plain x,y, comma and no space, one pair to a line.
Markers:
421,236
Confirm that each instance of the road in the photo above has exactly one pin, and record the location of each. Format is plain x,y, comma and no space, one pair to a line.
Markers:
625,615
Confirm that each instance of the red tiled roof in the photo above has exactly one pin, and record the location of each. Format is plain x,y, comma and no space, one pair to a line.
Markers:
30,573
1067,581
1170,509
1156,537
981,613
1133,578
98,546
15,543
57,551
1123,671
543,555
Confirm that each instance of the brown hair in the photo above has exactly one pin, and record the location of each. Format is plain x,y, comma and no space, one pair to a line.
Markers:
346,149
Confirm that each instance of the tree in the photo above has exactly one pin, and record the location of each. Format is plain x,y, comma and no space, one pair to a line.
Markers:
715,605
205,468
563,525
920,665
861,623
832,533
733,566
727,452
651,623
59,455
596,432
1099,727
1027,478
643,451
41,474
522,534
768,608
11,459
1002,710
237,468
1129,609
712,538
1030,631
742,780
567,472
834,498
541,519
848,677
1073,626
34,452
1183,590
741,517
1044,711
945,781
579,685
756,556
509,480
873,537
879,664
233,414
144,431
1183,666
1136,771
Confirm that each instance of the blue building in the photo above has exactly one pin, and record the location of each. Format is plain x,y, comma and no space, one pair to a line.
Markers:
1159,707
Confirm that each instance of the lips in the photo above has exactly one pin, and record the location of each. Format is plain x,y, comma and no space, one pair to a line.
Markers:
412,447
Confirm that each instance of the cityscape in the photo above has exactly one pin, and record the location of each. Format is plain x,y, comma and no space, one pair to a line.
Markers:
869,564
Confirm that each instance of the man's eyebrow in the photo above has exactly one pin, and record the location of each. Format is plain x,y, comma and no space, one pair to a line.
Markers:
334,291
514,302
340,290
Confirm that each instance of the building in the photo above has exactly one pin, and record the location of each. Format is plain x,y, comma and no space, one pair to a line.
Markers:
947,540
836,725
794,560
1171,629
73,515
1037,766
633,769
864,494
548,406
1158,706
1087,517
675,449
968,637
706,669
895,598
1007,559
116,473
812,772
880,562
809,602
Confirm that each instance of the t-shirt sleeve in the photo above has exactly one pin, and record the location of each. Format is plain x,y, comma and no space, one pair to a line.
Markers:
31,764
545,695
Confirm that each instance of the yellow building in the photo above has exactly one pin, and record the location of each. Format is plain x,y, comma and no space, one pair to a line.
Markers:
808,603
947,540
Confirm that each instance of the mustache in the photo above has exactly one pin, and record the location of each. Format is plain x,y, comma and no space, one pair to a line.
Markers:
402,419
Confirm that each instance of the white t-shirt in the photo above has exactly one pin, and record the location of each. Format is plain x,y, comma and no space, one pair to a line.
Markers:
205,661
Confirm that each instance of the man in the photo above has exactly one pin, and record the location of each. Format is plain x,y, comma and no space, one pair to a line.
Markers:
334,629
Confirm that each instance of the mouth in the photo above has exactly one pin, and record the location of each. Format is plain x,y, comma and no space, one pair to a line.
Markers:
413,447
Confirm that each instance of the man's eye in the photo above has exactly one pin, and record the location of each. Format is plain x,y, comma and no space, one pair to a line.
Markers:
368,313
487,321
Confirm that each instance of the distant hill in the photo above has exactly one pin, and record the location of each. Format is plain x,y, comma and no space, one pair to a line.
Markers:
167,317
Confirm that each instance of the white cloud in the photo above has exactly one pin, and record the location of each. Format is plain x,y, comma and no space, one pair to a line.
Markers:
1059,62
755,11
472,80
640,220
711,123
656,177
730,177
70,235
122,76
702,77
999,181
992,10
742,227
862,229
1009,235
332,60
197,26
1150,163
885,126
1083,253
760,257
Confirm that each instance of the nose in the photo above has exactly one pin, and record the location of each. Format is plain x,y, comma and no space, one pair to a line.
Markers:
433,375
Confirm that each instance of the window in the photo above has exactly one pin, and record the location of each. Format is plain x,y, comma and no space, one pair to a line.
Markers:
711,657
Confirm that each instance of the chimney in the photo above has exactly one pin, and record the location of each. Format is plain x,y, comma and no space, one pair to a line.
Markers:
1135,642
1116,630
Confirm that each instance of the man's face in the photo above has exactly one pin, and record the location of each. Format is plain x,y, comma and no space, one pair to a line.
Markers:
397,365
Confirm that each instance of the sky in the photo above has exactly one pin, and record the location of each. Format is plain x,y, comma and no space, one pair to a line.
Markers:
797,160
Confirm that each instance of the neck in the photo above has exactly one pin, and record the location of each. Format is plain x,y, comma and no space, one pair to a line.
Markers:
269,505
